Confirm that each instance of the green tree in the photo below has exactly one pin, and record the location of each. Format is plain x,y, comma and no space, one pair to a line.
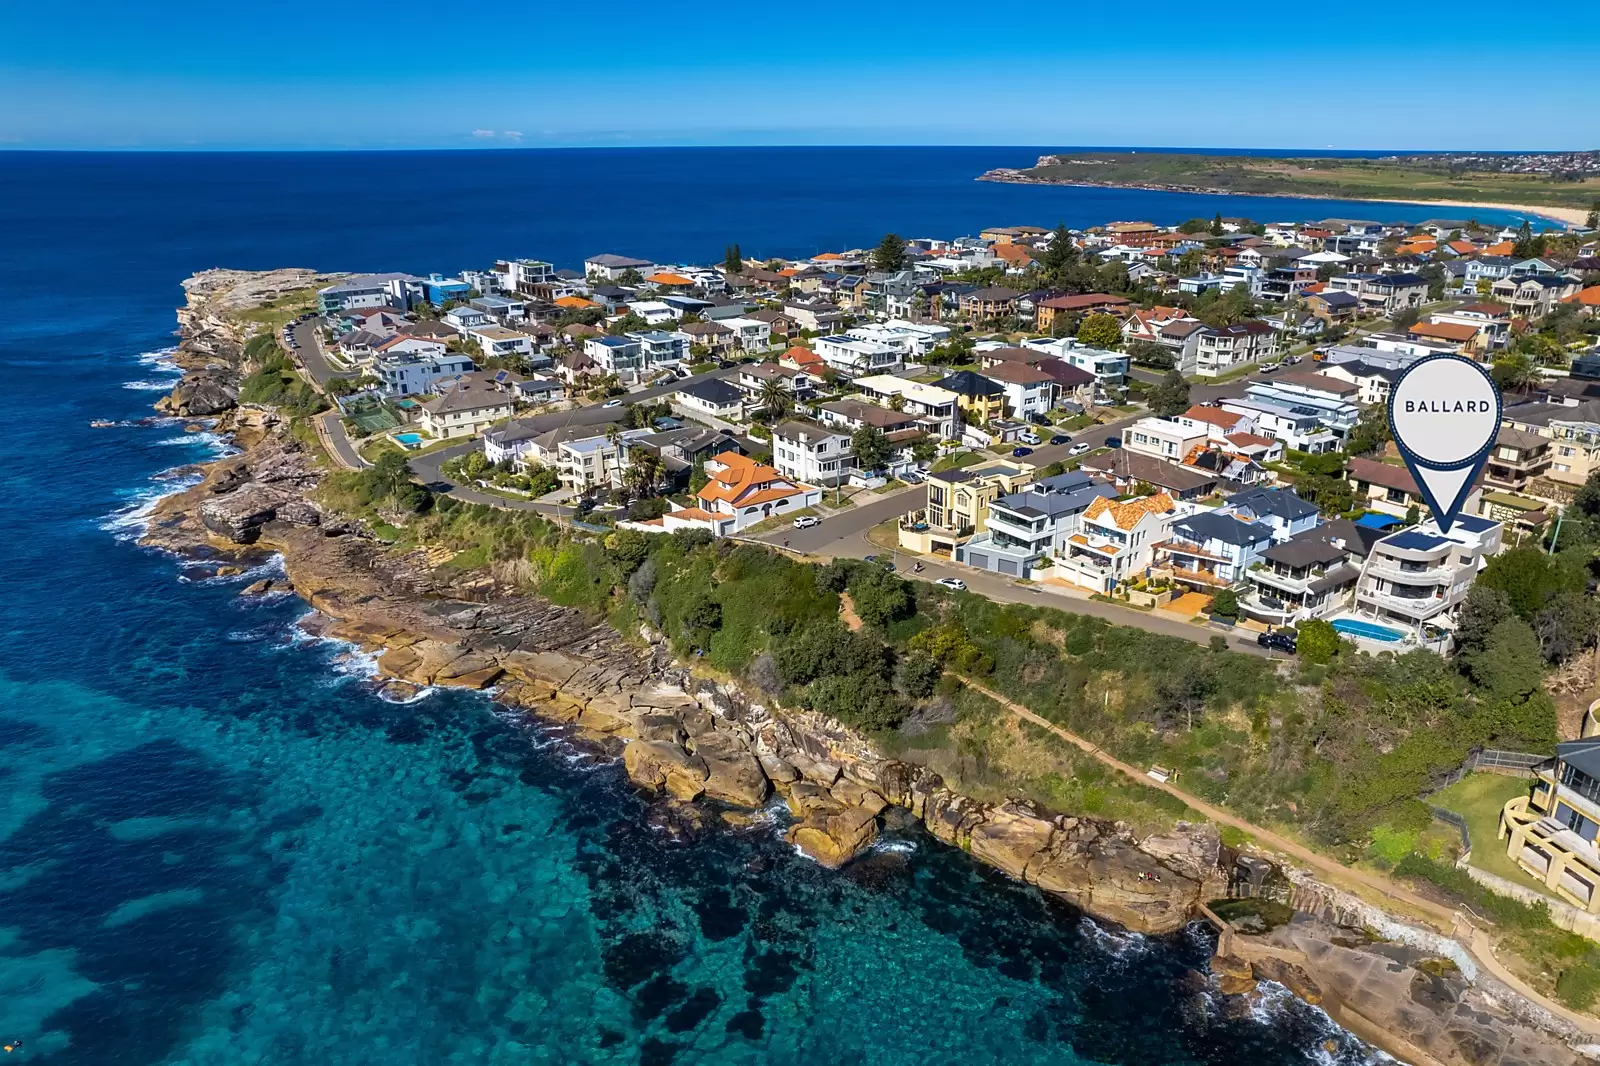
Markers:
1216,225
1530,579
880,597
1226,604
733,260
697,476
1151,354
1371,432
1169,396
1100,331
1566,625
1190,262
1510,665
918,674
890,254
776,400
1057,258
1318,642
1593,221
870,448
628,323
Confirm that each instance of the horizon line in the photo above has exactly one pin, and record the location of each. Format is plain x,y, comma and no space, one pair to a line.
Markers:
18,149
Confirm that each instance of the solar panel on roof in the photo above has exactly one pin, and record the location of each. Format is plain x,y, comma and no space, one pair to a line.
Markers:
501,377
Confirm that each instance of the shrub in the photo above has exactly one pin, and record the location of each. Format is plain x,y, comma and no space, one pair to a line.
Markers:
1578,985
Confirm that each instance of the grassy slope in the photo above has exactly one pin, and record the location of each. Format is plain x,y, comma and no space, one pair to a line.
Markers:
1331,178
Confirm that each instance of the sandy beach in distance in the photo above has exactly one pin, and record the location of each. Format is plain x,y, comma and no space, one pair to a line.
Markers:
1572,216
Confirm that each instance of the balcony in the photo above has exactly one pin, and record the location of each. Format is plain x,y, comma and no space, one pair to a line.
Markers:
1284,582
1567,864
1270,609
1419,608
1392,570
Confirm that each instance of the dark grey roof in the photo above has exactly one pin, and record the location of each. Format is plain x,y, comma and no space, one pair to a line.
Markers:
1337,298
714,391
1582,754
1280,503
1208,525
1062,494
1306,549
969,383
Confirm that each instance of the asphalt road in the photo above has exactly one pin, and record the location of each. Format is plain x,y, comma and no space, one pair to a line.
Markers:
847,525
333,432
312,357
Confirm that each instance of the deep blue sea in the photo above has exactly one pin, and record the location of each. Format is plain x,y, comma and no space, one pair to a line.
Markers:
217,846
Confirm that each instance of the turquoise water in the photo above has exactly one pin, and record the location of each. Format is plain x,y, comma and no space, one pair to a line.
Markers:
219,846
410,440
1357,627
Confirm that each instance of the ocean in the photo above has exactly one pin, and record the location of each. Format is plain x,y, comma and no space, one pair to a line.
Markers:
219,845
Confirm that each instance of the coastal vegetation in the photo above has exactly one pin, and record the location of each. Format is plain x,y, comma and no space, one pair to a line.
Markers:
1411,179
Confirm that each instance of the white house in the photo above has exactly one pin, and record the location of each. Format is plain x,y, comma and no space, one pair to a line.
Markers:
751,334
855,356
611,267
408,374
712,397
498,342
810,452
654,312
933,406
1168,440
1109,368
1116,540
476,402
466,317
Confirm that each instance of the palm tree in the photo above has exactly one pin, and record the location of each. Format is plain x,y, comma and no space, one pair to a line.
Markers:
775,398
643,474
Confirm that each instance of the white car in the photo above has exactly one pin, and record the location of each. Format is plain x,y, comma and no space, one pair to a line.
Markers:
1077,449
952,583
806,521
612,403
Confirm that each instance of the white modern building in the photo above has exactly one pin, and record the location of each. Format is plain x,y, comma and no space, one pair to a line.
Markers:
812,453
1421,575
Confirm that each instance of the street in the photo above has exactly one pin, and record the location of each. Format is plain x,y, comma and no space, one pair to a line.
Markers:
849,524
311,355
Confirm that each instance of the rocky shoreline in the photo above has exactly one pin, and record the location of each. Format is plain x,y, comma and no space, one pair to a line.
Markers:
711,752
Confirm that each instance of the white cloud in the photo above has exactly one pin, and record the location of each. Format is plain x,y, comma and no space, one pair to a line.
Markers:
483,133
512,135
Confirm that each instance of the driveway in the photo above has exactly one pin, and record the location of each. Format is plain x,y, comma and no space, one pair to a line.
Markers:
330,427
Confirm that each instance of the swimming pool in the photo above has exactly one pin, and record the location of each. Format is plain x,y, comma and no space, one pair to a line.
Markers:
1356,627
408,440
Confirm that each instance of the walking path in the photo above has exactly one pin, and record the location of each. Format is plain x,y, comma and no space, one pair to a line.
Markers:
1476,941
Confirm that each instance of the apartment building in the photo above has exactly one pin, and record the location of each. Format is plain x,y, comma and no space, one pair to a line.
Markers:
1421,575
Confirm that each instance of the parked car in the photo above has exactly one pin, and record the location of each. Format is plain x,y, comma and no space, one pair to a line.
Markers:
1018,453
1292,360
1028,436
1078,449
1113,442
1281,640
806,521
1271,369
612,403
1038,419
1060,438
913,477
952,583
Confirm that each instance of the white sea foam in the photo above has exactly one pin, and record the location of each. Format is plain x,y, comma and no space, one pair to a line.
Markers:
219,446
894,847
148,386
132,521
161,359
1121,944
273,567
1274,1004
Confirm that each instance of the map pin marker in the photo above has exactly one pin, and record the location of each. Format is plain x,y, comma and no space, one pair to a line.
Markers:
1444,413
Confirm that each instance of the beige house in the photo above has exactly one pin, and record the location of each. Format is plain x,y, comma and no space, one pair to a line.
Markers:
958,505
1573,432
1550,832
476,403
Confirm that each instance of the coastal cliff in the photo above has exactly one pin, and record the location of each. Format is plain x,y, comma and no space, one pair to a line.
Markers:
712,752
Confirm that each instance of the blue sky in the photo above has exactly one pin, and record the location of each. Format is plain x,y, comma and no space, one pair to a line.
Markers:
359,74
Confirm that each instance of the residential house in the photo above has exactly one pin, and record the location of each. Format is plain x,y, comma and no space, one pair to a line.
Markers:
1110,369
1221,348
740,492
958,504
990,304
749,334
934,407
1421,575
1333,307
1026,529
1391,489
1116,540
539,389
498,342
1281,510
1169,440
1519,457
811,452
715,337
1029,391
854,356
1372,382
1534,295
1212,549
821,318
1308,576
476,402
712,397
1550,832
779,325
681,448
979,399
1081,304
400,291
754,378
1572,429
594,460
465,318
1384,294
1131,470
412,374
612,267
654,312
